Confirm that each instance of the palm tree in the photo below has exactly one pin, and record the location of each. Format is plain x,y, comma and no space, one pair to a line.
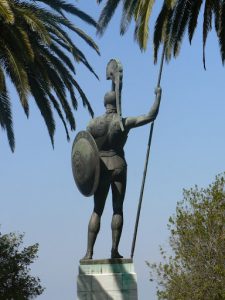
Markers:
36,54
175,18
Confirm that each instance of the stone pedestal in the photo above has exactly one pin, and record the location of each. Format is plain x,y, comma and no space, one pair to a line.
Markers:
111,279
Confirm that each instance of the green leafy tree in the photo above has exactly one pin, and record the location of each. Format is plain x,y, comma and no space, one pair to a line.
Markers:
15,281
37,54
197,237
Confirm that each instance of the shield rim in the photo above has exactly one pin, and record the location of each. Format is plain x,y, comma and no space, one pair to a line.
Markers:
89,137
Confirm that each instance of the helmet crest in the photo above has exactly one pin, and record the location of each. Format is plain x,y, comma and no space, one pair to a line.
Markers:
114,72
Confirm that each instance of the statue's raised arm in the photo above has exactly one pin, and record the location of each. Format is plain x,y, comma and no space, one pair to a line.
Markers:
132,122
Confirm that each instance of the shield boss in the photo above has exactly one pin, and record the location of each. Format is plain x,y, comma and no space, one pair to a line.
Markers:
85,163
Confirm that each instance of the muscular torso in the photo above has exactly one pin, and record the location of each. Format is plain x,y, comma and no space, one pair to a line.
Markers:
110,139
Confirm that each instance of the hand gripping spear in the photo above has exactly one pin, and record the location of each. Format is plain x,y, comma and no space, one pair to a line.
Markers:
146,164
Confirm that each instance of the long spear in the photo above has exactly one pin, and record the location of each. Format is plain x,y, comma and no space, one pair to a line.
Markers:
146,163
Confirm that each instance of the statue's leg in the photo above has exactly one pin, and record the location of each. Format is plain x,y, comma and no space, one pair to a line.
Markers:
118,192
94,223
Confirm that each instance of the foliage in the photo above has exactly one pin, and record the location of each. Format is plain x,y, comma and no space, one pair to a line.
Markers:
180,16
175,18
36,53
139,10
15,281
197,237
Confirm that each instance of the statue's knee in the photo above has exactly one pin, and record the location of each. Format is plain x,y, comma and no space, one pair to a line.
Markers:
118,208
98,211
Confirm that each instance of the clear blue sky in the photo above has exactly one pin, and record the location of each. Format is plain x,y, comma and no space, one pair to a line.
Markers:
39,197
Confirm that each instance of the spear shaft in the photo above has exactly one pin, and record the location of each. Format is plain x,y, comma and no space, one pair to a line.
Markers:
146,164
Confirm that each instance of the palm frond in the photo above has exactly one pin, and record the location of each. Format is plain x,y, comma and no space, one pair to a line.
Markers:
106,15
37,53
18,41
32,20
76,52
43,104
176,20
162,28
207,25
217,8
129,9
142,25
54,19
57,108
58,84
194,13
184,18
83,97
138,9
6,12
72,96
5,111
86,38
62,56
18,76
25,41
63,43
59,5
222,33
166,35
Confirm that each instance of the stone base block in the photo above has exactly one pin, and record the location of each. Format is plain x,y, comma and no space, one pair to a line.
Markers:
111,279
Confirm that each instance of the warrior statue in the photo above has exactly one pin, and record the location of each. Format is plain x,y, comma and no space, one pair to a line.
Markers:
107,135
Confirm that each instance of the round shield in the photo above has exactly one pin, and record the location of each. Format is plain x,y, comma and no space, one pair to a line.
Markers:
85,163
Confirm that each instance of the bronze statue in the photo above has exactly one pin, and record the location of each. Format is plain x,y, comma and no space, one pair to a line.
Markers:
105,163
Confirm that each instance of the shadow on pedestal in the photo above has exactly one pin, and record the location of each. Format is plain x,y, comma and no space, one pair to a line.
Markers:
108,279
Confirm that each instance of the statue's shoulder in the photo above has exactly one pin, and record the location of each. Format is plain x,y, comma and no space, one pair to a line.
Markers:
95,121
90,123
98,126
